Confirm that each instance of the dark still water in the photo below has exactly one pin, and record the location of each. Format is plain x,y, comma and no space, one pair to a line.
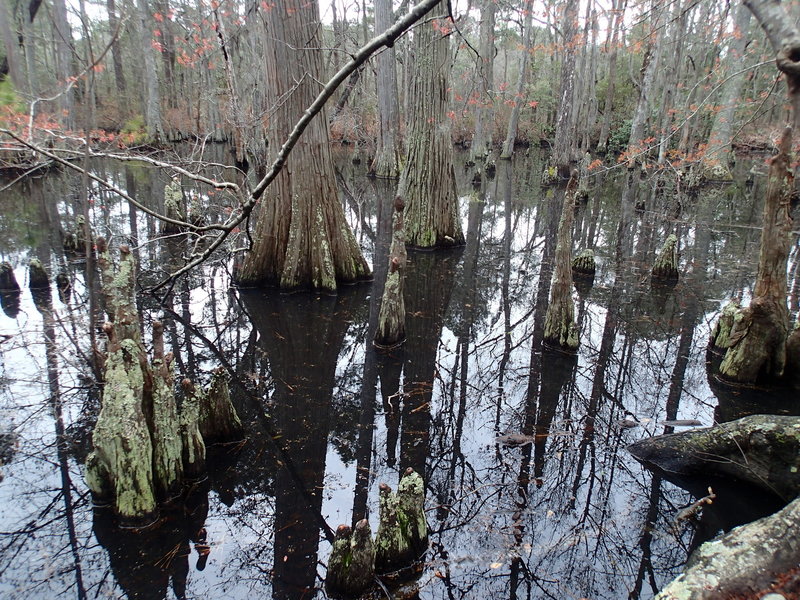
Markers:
569,515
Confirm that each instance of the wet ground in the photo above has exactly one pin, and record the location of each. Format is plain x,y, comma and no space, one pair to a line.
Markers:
568,514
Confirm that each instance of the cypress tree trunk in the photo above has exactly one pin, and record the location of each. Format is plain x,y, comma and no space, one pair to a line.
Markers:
757,348
482,137
427,184
388,161
302,239
513,121
715,161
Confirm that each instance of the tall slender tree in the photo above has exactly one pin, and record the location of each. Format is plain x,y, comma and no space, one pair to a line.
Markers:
388,153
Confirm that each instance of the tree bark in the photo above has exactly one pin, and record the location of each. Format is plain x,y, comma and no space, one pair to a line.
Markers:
757,348
560,328
302,239
564,146
427,184
513,121
388,160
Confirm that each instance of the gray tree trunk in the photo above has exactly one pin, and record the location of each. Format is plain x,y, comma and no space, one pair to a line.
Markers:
63,43
513,121
564,145
152,99
618,7
482,137
427,184
716,160
388,160
302,238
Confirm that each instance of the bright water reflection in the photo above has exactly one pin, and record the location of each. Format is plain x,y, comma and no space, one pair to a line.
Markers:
569,515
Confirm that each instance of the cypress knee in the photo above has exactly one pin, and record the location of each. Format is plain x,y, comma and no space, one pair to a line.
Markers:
351,568
194,449
219,421
665,267
560,328
391,329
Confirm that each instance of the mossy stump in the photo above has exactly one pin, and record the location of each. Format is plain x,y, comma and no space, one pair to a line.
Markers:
665,267
560,328
37,275
219,421
351,568
166,429
120,467
402,536
8,281
391,330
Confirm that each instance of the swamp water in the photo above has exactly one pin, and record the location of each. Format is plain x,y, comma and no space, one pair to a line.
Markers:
568,515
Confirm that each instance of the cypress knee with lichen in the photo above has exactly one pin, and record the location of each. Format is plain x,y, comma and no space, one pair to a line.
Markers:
391,329
121,462
219,421
351,567
194,448
173,207
560,328
665,267
166,429
402,536
720,339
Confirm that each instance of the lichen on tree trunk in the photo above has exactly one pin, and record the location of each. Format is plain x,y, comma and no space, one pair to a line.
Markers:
720,339
560,328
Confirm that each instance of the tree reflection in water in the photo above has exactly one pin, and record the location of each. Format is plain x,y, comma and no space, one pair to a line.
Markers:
328,418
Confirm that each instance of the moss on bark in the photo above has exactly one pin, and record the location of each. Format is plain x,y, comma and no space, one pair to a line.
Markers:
194,448
219,421
123,452
665,267
560,328
351,568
